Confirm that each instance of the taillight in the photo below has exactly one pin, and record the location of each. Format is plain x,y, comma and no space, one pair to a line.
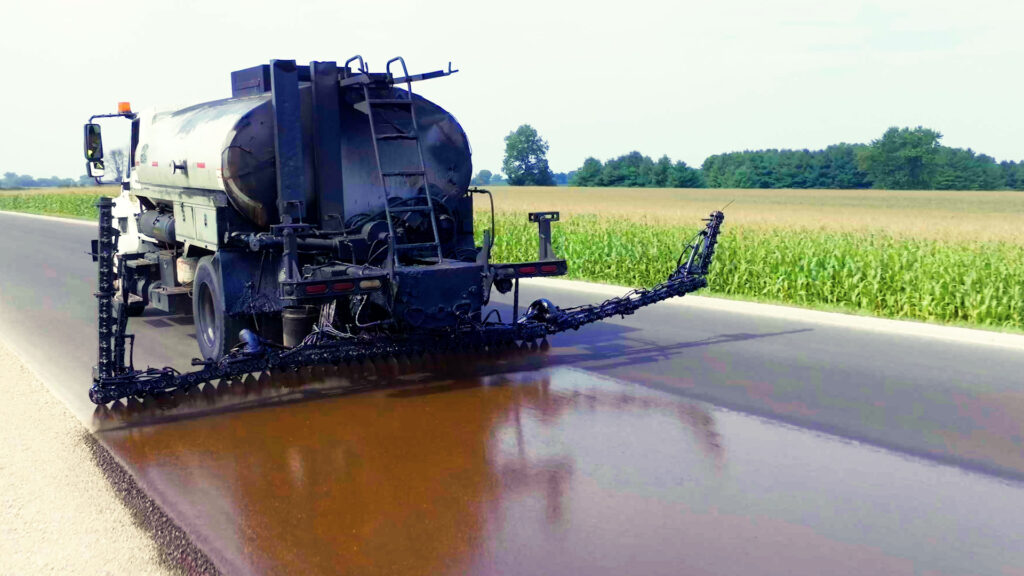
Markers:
528,270
369,284
316,288
342,286
549,268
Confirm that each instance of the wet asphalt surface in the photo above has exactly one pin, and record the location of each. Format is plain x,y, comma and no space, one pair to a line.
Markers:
677,440
176,549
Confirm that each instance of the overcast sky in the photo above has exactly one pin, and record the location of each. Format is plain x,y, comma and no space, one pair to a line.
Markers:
687,79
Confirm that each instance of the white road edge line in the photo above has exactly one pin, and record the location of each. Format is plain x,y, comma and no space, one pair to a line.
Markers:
52,218
867,323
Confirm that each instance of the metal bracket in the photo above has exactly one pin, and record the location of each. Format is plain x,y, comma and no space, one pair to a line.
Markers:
291,189
544,220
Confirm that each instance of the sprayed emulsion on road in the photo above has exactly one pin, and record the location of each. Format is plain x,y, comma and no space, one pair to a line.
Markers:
548,470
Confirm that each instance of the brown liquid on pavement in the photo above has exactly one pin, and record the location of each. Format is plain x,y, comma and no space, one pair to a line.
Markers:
556,472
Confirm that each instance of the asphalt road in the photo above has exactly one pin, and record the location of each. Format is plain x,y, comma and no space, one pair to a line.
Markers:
487,452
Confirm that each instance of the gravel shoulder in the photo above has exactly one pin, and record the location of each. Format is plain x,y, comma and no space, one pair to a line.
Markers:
67,507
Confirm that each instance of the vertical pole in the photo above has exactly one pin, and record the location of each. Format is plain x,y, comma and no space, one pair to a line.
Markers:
515,302
291,189
543,220
330,194
105,247
544,251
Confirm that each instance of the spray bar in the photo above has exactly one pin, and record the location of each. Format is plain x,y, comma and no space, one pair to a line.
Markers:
115,379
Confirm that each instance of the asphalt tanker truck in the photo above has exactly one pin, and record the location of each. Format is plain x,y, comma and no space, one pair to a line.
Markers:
321,214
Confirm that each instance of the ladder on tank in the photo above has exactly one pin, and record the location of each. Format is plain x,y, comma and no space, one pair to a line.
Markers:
421,201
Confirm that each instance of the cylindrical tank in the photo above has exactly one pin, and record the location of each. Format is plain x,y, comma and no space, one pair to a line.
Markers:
228,145
297,323
157,224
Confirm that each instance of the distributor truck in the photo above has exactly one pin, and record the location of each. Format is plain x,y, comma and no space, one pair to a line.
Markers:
321,213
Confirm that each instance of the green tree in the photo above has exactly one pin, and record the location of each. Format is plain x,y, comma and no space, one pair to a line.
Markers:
960,169
682,176
634,170
1013,174
902,159
588,174
661,172
839,168
482,178
629,170
526,162
117,163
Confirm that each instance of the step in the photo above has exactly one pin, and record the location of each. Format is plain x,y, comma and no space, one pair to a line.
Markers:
132,298
141,263
174,290
415,246
390,102
392,173
396,137
353,80
401,209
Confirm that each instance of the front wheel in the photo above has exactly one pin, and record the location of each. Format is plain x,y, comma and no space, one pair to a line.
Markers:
216,331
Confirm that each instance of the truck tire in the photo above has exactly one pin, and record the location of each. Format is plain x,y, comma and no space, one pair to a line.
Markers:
216,331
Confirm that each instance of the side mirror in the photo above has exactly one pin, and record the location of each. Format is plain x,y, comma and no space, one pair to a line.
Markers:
93,144
94,169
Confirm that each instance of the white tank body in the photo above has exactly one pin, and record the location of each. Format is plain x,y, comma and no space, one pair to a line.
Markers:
227,146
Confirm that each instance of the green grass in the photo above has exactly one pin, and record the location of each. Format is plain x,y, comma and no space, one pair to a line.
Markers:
52,204
977,284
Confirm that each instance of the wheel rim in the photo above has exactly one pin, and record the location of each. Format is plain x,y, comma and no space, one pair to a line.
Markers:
207,316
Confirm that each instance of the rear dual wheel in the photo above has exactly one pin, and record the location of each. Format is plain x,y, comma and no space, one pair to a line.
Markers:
216,331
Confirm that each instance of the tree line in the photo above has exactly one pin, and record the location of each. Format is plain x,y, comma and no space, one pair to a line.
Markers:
634,170
11,180
901,159
116,161
833,167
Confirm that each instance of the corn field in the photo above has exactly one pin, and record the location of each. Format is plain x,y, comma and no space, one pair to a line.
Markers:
873,273
55,204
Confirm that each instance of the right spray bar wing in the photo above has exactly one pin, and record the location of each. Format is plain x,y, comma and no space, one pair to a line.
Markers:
703,249
688,277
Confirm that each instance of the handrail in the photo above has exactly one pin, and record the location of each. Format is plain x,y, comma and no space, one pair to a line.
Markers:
362,65
405,71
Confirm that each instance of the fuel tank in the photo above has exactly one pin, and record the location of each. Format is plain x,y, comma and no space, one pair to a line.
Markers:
228,146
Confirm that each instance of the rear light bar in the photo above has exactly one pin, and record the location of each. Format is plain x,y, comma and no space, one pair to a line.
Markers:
530,269
327,288
315,289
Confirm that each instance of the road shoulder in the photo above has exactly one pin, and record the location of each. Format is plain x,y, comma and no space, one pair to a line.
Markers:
68,508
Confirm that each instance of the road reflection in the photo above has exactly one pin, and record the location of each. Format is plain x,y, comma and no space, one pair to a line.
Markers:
411,479
552,470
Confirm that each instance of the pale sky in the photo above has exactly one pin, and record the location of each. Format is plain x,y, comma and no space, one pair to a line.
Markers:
687,79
